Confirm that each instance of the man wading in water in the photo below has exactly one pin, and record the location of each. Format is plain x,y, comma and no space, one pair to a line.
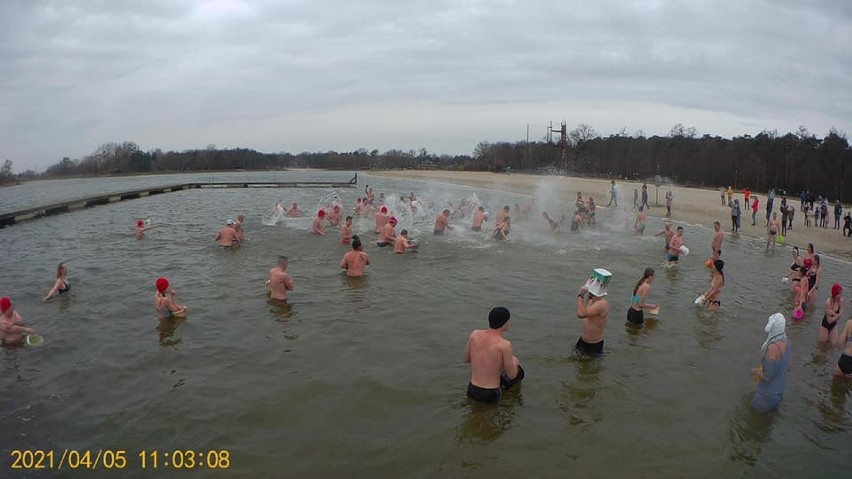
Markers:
491,359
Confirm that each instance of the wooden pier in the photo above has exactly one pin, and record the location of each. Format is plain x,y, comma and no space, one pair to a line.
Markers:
12,217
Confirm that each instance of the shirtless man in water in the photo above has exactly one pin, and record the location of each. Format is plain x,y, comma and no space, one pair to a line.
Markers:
718,237
479,217
673,256
279,281
772,229
227,236
12,329
502,215
318,228
355,261
141,229
381,219
387,236
491,359
294,211
442,223
668,233
593,311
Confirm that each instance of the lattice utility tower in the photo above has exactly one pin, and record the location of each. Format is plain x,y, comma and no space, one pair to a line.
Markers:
563,143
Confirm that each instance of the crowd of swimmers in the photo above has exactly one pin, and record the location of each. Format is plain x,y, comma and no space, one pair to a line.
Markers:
494,366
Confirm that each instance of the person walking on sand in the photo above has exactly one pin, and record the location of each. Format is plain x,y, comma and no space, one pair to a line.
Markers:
669,198
494,366
645,196
730,193
612,194
722,194
754,204
736,214
746,194
771,375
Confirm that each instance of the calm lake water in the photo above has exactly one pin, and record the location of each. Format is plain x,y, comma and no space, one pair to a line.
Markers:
365,379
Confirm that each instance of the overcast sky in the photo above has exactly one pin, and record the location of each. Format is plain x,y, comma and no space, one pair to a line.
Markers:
445,75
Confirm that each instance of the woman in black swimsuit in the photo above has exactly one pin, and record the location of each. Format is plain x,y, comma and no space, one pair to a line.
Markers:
833,311
814,278
61,285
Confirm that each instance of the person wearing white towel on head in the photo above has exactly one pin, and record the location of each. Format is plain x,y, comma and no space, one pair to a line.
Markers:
771,375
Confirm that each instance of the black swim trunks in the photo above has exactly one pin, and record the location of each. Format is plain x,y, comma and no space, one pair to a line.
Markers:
845,364
476,228
635,316
589,349
493,395
486,395
382,245
439,232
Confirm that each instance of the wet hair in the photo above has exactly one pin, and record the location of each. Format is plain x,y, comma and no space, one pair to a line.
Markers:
356,242
498,317
811,248
446,211
59,269
816,259
716,223
641,207
680,228
404,232
349,218
282,258
481,208
648,273
719,265
507,208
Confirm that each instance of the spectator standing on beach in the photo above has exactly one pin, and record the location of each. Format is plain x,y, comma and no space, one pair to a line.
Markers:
790,212
784,214
847,224
645,196
669,204
746,194
754,204
730,193
722,194
838,210
636,198
612,194
736,213
769,203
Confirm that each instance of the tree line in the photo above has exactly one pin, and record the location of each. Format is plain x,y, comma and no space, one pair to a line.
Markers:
788,163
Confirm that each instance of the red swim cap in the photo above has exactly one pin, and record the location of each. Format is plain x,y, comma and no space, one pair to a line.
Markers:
384,209
140,224
392,220
321,213
5,304
162,284
836,289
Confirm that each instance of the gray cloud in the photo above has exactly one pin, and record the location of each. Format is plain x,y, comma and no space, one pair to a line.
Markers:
293,76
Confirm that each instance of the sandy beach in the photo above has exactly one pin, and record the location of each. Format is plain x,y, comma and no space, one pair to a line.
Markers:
690,205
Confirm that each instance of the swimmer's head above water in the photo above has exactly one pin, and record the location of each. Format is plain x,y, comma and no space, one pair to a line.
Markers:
5,304
498,317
